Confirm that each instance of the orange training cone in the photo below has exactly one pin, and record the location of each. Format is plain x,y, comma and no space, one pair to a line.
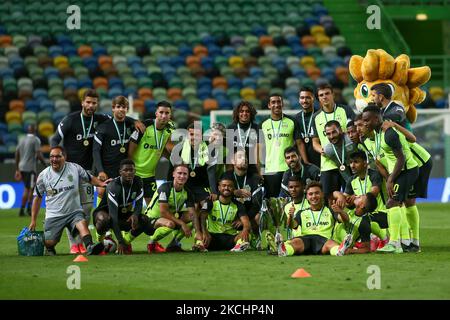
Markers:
300,273
80,258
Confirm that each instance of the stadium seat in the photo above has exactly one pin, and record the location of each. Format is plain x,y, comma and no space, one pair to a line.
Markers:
236,62
174,94
62,106
29,117
13,117
248,93
436,93
46,129
210,104
220,82
145,93
160,94
85,51
342,74
100,82
139,106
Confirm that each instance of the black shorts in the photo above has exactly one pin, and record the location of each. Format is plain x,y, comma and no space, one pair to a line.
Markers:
149,186
331,181
421,185
272,184
29,179
313,243
404,185
221,241
364,229
199,193
124,225
381,218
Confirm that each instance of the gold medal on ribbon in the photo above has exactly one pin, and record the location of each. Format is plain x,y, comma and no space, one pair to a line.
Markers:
122,149
306,140
342,167
192,174
124,210
86,133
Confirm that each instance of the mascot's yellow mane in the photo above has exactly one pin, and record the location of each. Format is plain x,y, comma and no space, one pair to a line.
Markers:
379,66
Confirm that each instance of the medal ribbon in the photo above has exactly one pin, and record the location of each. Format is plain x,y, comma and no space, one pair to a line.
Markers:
343,153
377,144
302,169
175,199
160,142
365,184
237,182
306,133
385,109
334,114
320,215
125,202
85,135
121,140
195,162
246,135
59,178
276,135
352,225
226,213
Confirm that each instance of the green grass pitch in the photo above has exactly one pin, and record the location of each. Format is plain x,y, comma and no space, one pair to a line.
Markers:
226,275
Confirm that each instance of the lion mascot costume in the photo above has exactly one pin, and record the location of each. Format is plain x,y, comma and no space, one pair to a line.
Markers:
379,66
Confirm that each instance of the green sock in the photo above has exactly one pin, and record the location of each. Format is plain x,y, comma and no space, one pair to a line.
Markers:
127,236
176,235
289,248
376,230
334,250
160,233
412,214
404,228
180,235
98,200
395,219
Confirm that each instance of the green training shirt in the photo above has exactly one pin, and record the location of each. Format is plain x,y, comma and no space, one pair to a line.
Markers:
342,114
360,187
420,155
150,146
392,140
278,135
220,216
320,222
179,202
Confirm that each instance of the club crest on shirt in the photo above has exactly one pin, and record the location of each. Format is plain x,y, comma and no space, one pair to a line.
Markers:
70,178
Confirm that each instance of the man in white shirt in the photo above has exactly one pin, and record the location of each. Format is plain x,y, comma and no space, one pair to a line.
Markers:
60,182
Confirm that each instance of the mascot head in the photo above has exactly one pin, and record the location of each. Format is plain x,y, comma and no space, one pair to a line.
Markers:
380,67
